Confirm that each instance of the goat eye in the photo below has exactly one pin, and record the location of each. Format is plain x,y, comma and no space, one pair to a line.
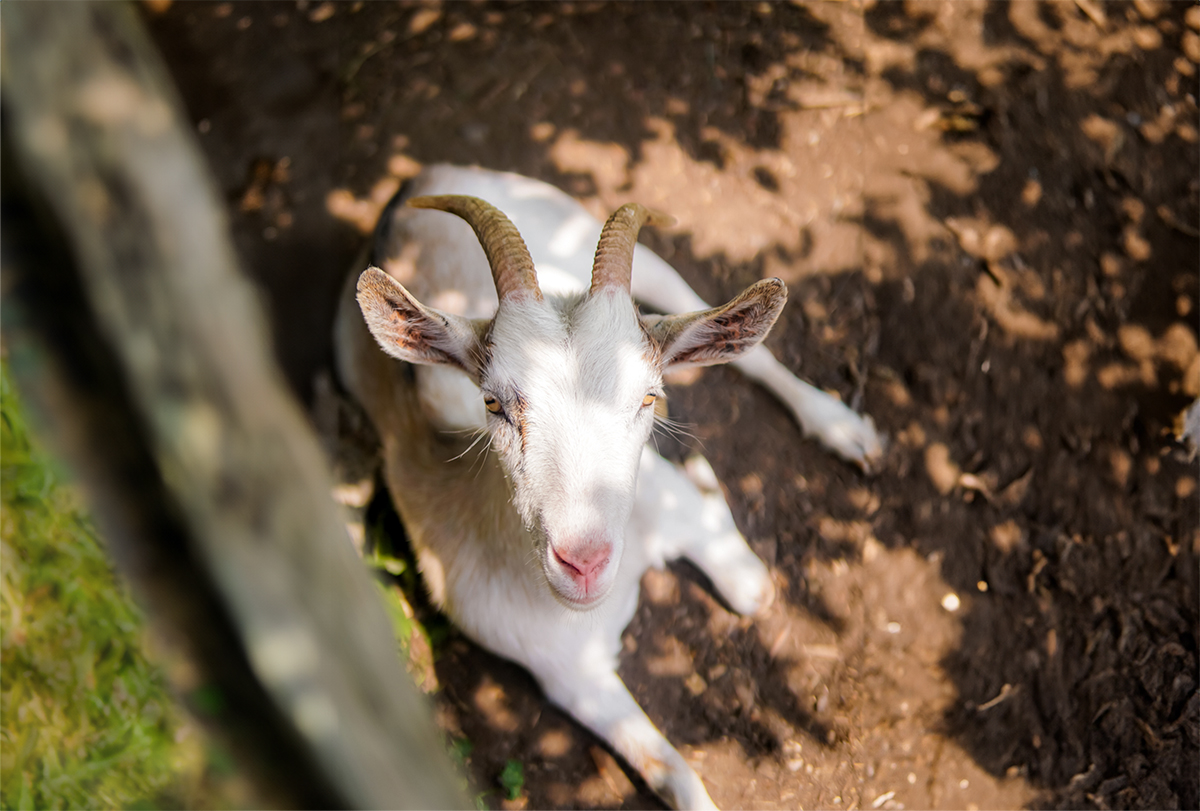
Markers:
493,405
649,399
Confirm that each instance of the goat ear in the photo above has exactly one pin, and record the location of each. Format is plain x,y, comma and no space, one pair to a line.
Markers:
721,334
407,329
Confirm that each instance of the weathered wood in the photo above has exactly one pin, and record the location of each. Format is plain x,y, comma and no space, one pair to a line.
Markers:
125,312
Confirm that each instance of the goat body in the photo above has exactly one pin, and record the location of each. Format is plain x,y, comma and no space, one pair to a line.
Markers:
536,547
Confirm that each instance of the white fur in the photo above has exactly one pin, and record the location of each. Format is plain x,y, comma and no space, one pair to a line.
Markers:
579,473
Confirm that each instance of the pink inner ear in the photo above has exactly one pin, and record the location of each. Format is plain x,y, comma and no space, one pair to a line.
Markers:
410,332
404,332
712,351
416,334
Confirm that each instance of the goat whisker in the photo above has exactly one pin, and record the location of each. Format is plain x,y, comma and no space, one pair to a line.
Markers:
480,434
675,429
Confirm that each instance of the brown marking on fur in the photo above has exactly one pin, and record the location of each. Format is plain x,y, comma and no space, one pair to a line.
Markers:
405,331
654,770
483,354
517,418
651,350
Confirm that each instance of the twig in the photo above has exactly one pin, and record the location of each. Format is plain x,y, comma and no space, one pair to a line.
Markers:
1093,11
1006,692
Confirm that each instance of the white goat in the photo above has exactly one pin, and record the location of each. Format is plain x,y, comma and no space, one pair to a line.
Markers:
536,549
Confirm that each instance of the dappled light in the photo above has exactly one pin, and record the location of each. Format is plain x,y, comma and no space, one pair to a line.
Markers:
987,217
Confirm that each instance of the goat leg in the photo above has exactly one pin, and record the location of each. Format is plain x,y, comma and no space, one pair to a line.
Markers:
679,514
820,415
597,697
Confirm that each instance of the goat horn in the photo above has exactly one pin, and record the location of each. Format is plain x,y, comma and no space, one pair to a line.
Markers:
512,266
613,264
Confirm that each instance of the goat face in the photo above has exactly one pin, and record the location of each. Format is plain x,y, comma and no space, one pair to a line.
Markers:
570,393
569,385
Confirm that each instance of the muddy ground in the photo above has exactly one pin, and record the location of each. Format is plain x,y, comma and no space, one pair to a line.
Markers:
987,216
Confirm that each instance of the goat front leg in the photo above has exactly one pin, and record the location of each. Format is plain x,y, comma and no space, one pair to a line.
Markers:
595,695
678,514
821,415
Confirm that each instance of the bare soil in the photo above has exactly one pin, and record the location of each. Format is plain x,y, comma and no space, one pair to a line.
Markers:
987,216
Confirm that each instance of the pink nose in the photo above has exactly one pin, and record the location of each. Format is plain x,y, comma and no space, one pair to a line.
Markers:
584,564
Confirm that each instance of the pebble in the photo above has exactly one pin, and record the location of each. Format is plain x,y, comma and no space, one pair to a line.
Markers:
883,798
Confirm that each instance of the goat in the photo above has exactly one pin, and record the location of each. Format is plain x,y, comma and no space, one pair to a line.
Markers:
536,549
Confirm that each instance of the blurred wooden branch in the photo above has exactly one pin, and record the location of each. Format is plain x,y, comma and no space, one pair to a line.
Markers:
125,317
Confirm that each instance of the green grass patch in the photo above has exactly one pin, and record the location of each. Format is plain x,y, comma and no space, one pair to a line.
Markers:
86,720
512,778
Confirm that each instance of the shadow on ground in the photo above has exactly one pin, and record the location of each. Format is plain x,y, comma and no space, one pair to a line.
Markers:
987,216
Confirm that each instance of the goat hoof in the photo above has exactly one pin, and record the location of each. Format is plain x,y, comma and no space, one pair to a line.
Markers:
854,438
768,600
751,592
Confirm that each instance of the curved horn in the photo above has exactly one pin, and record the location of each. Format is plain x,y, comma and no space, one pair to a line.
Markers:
614,253
512,266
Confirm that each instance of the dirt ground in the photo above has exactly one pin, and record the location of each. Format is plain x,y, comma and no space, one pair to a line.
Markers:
987,216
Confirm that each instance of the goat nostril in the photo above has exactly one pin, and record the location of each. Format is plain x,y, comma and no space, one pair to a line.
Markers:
584,565
566,564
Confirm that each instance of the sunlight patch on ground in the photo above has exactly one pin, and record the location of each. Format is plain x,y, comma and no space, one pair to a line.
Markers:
887,598
747,203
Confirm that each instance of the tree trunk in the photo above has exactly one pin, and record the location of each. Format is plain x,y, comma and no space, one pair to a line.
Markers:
126,318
